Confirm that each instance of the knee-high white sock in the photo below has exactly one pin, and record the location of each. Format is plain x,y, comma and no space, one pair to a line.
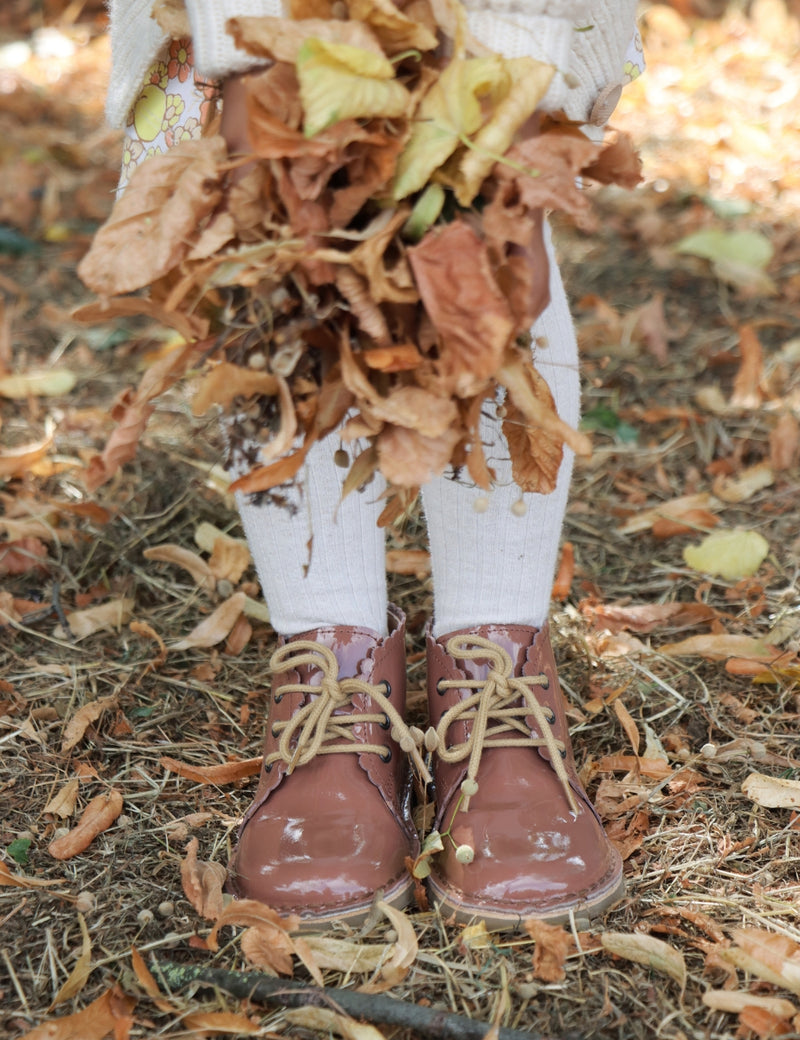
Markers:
494,566
326,564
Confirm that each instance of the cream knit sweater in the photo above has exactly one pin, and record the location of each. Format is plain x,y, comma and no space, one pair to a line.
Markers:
585,40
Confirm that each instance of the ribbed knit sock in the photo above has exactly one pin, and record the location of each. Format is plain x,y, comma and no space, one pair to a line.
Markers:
489,564
324,564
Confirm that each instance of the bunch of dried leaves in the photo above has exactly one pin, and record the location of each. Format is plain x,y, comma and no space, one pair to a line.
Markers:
377,261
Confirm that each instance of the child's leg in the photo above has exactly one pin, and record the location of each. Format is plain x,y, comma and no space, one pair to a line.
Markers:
493,564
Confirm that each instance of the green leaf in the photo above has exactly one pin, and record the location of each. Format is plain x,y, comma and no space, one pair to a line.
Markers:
18,850
738,257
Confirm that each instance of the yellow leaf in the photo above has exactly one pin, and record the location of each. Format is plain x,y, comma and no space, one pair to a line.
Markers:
346,956
719,646
80,973
339,82
772,792
647,950
51,382
531,79
451,110
730,554
395,30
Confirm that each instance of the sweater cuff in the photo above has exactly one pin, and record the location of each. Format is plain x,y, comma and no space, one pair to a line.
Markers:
545,38
598,59
135,39
214,50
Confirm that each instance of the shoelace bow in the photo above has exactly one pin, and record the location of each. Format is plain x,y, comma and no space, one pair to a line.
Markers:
314,728
498,707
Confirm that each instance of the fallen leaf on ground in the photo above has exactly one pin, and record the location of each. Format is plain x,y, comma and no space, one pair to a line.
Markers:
215,627
216,1022
404,950
80,973
11,880
22,555
408,561
675,509
347,956
110,1013
148,983
718,646
646,617
784,443
107,617
185,558
767,955
653,767
647,950
63,802
738,257
736,1000
566,572
50,382
226,773
202,883
748,483
747,385
230,558
553,944
97,817
83,718
772,792
729,554
327,1022
141,628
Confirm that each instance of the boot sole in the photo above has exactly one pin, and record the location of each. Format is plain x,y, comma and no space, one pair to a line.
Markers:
496,919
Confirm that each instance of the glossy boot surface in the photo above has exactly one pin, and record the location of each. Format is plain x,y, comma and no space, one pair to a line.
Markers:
325,834
539,849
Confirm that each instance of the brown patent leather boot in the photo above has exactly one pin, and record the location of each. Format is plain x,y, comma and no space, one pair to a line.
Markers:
330,825
525,841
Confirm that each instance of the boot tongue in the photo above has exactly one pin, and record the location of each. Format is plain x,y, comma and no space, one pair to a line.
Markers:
351,646
516,641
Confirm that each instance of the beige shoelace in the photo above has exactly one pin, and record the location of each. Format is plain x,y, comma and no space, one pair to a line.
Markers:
314,729
496,714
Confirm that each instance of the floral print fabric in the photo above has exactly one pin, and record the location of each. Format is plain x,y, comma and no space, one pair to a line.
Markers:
175,103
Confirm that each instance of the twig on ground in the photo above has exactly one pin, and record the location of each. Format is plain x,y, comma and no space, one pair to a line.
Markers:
433,1022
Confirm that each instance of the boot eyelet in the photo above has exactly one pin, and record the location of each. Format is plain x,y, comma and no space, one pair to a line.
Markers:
563,752
277,698
551,716
388,685
439,689
268,768
274,730
386,721
388,756
546,684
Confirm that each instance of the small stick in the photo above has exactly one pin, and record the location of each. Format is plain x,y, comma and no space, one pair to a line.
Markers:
426,1021
58,610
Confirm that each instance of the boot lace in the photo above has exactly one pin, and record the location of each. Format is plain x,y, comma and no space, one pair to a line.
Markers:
496,714
315,728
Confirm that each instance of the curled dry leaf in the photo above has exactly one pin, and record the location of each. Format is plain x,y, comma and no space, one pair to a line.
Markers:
230,558
553,944
735,1001
185,558
647,950
215,627
97,817
110,1014
719,646
9,879
17,462
219,1023
81,972
749,482
228,773
141,628
202,883
773,792
83,718
107,617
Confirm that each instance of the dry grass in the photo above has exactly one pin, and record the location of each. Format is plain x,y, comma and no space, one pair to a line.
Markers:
703,859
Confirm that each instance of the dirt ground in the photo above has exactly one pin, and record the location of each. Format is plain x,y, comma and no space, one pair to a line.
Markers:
682,684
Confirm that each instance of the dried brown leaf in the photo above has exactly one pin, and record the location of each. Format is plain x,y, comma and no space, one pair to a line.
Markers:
97,817
83,718
215,627
185,558
156,220
202,883
647,950
63,802
536,454
106,617
280,39
747,392
76,980
109,1014
227,773
409,459
772,791
22,555
9,879
553,944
